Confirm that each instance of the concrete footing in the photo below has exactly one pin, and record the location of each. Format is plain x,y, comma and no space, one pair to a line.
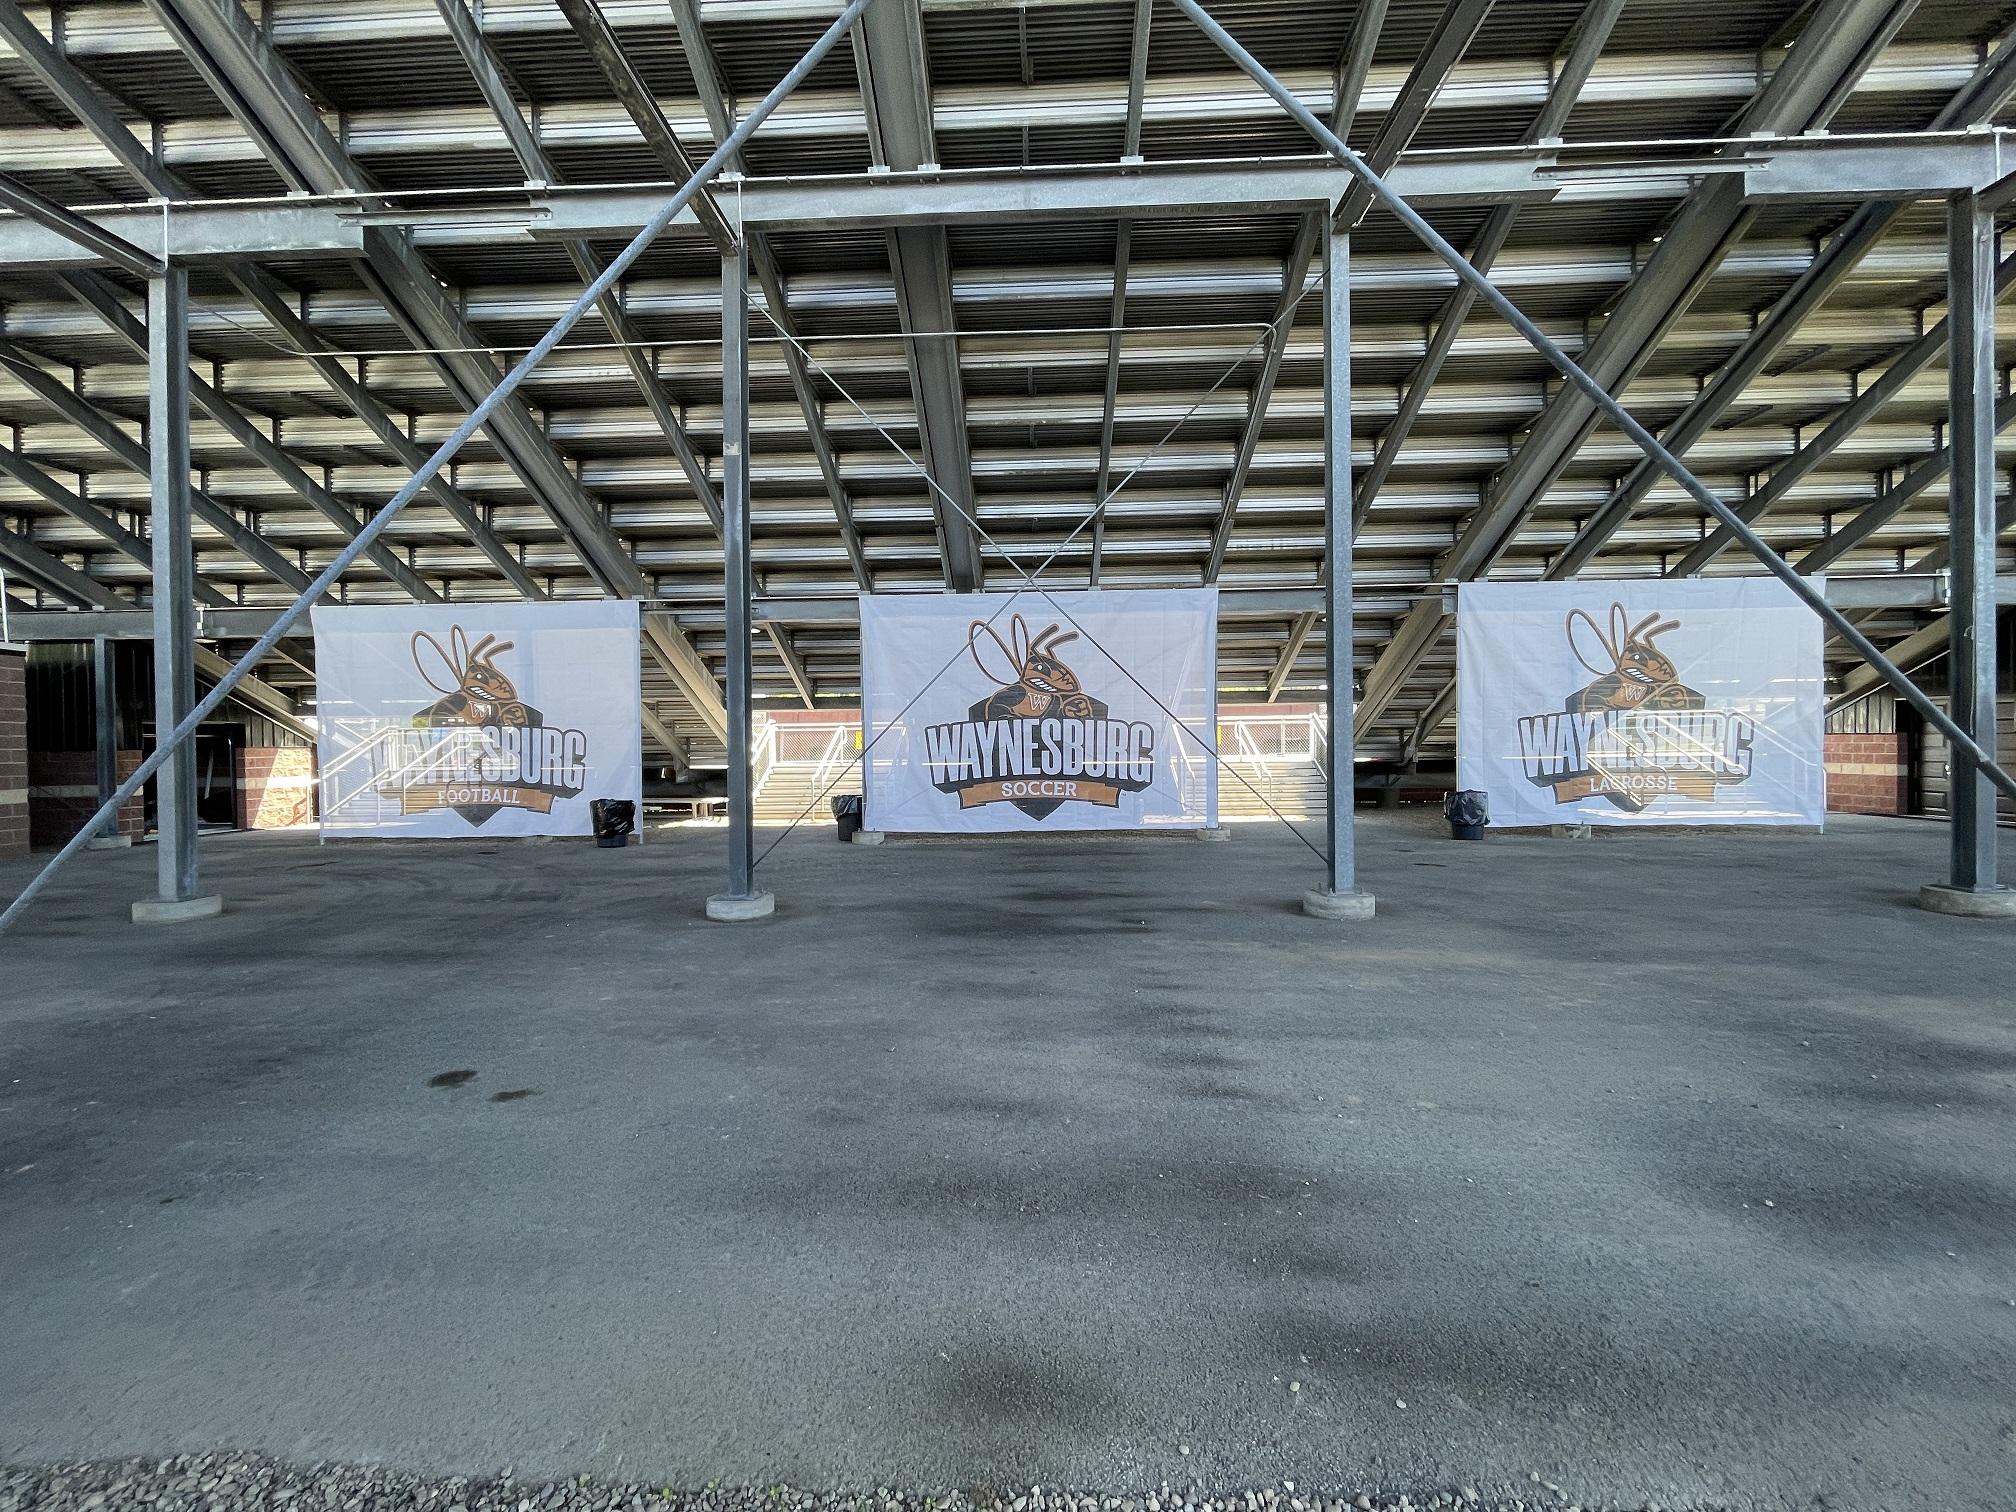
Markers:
1321,903
1214,832
1570,831
109,842
1999,903
869,837
724,909
177,910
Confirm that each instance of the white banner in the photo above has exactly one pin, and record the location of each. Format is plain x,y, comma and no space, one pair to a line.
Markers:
476,720
1654,702
1040,711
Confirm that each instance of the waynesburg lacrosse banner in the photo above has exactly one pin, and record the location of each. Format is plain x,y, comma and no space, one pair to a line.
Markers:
1656,702
476,719
1039,710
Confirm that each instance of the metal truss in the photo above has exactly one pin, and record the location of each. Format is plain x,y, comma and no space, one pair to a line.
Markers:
171,478
1840,38
889,59
1970,728
56,576
1106,386
601,42
253,83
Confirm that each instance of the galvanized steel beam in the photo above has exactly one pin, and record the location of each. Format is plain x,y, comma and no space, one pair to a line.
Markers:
488,73
88,235
118,620
1978,103
32,476
61,78
327,362
598,38
253,82
1711,223
1294,279
891,57
1354,65
737,580
1592,33
1921,475
107,616
1340,746
1448,40
172,739
1447,43
1897,374
175,872
1593,389
105,431
1971,537
91,291
588,20
1123,253
334,224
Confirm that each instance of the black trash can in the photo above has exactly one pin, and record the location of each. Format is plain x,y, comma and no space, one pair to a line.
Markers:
1467,812
847,816
614,819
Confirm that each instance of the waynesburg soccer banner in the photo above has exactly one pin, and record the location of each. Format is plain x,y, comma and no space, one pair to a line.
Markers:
476,720
1040,710
1656,702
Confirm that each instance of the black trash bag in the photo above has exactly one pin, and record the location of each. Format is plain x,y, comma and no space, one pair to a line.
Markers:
614,819
1468,812
847,816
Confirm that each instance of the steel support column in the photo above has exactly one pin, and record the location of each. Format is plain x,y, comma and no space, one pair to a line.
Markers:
105,730
1338,897
170,741
1592,389
742,900
1970,303
174,599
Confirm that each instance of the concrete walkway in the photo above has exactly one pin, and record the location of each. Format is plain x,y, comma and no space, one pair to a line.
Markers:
1671,1169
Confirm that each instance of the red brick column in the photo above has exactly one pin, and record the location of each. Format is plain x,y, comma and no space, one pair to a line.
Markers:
1868,774
13,752
275,786
63,793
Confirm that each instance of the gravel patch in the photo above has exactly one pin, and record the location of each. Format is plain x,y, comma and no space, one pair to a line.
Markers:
252,1483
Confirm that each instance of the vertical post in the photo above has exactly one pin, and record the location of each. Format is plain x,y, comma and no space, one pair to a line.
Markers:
1972,885
743,900
174,588
1338,897
105,703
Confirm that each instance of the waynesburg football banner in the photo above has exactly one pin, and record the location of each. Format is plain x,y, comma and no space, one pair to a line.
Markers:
1655,702
1039,711
476,720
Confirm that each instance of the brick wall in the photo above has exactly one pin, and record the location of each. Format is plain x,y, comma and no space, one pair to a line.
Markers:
1867,774
13,753
275,786
63,793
